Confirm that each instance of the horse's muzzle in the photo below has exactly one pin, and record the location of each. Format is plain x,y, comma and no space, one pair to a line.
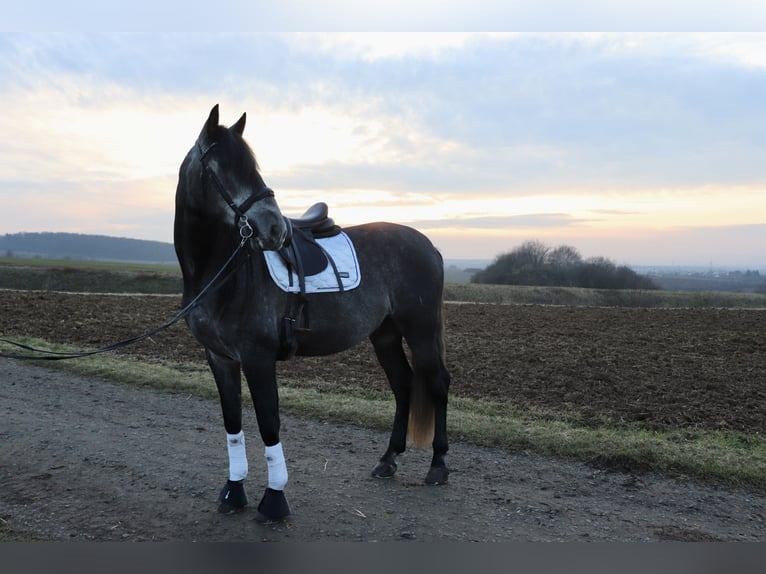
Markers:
273,238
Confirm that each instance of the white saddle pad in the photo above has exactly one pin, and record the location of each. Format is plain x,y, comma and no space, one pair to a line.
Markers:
342,251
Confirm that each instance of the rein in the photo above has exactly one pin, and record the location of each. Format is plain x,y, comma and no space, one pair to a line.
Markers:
59,355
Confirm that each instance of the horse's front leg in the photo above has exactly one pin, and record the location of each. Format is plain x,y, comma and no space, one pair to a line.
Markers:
228,380
262,381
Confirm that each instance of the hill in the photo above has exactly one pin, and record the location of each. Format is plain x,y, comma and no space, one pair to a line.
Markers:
85,247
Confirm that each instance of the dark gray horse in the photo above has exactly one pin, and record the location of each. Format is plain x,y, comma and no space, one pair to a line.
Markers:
226,217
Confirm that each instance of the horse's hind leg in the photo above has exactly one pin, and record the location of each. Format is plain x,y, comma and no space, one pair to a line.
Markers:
430,382
387,341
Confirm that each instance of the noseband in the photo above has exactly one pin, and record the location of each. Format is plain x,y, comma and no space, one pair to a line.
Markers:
245,229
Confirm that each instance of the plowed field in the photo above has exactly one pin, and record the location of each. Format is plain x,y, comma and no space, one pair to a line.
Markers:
662,368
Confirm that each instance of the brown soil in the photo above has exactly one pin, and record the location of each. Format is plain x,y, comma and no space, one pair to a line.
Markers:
664,368
85,459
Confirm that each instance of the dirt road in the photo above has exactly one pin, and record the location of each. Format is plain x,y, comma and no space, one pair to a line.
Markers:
83,459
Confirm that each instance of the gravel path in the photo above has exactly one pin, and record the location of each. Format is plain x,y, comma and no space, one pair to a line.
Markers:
83,459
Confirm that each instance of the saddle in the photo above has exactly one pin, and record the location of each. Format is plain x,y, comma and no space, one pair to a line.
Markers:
301,253
304,257
317,220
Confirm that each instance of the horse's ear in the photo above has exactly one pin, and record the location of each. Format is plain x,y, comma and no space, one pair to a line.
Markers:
239,127
211,123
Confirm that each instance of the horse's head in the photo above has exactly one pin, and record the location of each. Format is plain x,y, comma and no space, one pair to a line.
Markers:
232,186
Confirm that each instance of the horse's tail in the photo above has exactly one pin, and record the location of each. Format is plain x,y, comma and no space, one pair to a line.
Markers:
420,428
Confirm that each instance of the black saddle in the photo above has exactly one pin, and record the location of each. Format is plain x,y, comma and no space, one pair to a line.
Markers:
316,220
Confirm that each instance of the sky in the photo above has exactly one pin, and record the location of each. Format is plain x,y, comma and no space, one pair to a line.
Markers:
646,148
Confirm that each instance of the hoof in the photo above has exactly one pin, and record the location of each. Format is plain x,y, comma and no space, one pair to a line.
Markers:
273,506
437,475
232,498
384,470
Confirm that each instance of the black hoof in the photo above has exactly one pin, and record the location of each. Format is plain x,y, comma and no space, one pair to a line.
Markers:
232,498
437,475
384,470
273,506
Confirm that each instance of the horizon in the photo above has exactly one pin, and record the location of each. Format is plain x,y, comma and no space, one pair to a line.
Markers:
645,148
465,263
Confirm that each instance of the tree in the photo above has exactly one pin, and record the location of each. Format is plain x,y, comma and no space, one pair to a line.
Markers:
532,254
534,263
565,257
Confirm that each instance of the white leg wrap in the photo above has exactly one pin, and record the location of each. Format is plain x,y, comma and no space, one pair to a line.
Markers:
237,456
275,460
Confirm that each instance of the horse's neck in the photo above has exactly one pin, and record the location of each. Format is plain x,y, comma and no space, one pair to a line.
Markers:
202,248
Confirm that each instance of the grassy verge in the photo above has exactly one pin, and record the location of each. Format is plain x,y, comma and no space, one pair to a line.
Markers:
9,535
715,457
528,295
89,276
114,266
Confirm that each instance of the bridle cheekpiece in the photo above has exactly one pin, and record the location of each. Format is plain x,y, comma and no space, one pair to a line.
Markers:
245,229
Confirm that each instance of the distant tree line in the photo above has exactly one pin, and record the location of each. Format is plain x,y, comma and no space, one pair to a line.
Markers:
82,246
748,281
534,263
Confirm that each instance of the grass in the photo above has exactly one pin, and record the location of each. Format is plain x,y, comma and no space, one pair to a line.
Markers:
729,458
88,276
116,266
531,295
7,534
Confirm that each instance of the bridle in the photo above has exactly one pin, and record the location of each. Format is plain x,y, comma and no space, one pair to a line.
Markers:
245,229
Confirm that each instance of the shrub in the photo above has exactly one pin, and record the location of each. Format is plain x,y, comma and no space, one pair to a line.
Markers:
534,263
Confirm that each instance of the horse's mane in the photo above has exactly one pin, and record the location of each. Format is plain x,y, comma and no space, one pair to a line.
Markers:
236,151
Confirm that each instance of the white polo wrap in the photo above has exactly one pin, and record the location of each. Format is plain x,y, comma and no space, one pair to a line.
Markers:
237,456
275,459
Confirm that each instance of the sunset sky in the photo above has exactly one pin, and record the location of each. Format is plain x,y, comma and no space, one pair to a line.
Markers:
644,148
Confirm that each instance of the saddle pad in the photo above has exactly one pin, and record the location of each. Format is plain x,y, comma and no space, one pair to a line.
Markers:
342,251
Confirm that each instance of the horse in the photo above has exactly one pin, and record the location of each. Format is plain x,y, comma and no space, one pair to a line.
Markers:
226,219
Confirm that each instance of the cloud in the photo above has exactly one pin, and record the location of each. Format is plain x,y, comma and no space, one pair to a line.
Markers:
588,111
514,112
435,122
532,220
